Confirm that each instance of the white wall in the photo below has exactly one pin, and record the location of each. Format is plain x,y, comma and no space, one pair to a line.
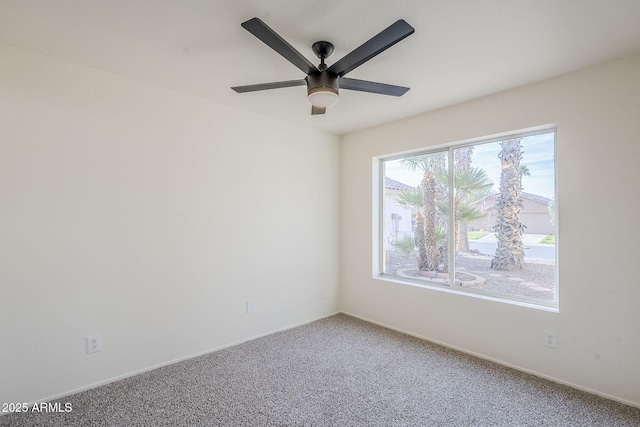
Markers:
597,113
149,217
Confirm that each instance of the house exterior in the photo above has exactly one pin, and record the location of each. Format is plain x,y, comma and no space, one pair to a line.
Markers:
399,221
535,214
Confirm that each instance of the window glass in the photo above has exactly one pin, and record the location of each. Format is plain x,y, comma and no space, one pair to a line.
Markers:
477,218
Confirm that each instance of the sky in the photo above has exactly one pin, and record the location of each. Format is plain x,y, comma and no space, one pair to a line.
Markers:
538,155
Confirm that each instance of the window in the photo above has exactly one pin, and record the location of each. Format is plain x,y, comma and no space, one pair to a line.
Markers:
475,217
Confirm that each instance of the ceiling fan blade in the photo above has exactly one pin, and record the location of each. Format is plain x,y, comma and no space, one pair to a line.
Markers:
374,46
259,29
318,110
272,85
372,87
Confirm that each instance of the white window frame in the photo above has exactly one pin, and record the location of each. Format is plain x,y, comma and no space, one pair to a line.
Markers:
378,222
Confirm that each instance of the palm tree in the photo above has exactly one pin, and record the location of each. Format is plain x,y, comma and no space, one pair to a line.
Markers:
406,245
463,157
430,165
551,207
470,184
510,252
468,212
412,198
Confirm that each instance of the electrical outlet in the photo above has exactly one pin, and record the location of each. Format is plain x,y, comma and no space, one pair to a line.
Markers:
94,344
251,306
550,339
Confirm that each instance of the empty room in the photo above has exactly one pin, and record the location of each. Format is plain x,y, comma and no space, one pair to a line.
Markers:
319,213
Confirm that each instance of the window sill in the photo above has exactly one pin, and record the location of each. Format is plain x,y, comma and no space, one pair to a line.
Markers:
552,308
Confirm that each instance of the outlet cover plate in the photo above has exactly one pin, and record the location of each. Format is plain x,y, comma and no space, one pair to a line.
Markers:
251,306
550,339
94,344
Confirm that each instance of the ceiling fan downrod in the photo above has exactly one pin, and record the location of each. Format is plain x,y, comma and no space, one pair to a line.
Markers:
323,50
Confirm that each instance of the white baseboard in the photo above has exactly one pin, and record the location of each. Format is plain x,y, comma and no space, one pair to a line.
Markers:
499,362
180,359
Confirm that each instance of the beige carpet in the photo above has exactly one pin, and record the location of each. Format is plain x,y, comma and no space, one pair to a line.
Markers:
338,371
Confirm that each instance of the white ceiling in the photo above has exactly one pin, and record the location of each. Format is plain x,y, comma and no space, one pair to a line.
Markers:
461,49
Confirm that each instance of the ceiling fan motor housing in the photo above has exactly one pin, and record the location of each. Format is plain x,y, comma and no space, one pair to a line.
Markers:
322,88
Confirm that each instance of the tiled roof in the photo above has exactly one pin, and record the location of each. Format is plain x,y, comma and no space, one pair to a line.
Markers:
534,197
392,184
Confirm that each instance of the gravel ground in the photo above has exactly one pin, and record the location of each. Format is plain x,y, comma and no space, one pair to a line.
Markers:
537,281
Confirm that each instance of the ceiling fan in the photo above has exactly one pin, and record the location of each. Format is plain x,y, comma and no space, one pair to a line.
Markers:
323,82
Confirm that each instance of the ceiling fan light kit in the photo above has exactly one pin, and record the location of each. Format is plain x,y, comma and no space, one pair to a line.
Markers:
322,89
324,83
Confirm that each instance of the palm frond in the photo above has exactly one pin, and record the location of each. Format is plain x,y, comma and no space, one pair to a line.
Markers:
472,179
470,212
406,245
411,198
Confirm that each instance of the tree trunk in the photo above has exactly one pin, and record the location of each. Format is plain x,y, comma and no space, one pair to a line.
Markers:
456,222
429,200
510,252
462,162
463,236
420,242
444,258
